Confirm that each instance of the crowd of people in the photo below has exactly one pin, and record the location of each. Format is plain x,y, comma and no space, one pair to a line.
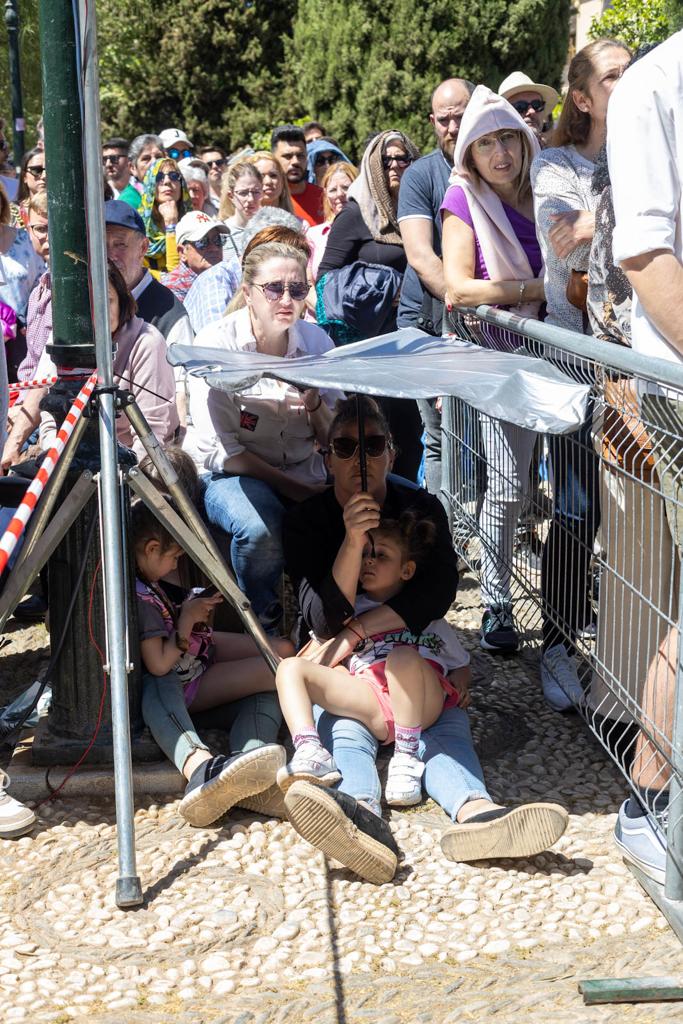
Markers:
288,253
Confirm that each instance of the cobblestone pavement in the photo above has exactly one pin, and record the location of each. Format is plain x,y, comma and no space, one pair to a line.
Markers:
246,924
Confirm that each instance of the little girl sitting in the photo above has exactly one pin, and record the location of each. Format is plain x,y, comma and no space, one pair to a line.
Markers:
395,683
178,647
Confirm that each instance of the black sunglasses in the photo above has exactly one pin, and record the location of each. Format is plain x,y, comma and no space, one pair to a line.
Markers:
37,171
171,175
521,106
333,158
176,153
216,163
274,290
213,240
346,447
401,161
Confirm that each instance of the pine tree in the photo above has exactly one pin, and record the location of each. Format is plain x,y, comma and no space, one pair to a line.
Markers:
362,65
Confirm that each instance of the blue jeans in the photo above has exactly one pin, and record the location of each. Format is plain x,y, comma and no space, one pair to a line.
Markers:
251,512
252,721
452,775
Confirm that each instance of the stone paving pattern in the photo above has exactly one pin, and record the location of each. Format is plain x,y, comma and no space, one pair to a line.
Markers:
244,923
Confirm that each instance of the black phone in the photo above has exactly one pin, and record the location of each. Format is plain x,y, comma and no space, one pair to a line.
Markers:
206,592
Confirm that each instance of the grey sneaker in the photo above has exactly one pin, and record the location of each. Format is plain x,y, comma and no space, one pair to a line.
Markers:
641,842
311,763
15,819
560,679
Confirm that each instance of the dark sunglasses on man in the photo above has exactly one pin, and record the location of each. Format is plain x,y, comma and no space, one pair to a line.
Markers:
214,240
216,163
521,106
113,158
179,154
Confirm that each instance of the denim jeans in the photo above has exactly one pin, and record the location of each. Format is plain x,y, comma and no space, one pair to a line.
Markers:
452,775
431,421
252,721
251,512
568,550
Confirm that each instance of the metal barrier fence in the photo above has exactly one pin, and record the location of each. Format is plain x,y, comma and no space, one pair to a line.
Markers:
580,536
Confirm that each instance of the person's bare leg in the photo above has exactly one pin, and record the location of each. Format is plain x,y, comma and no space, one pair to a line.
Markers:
301,684
650,768
414,689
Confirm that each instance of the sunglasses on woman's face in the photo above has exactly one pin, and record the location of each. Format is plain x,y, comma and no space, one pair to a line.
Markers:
325,161
521,106
36,171
274,290
346,447
400,161
174,176
178,154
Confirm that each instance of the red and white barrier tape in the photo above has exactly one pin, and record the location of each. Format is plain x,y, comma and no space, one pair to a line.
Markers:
17,524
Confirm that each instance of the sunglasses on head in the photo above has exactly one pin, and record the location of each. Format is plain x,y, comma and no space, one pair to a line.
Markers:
210,241
275,290
521,106
171,175
177,154
216,163
346,447
400,161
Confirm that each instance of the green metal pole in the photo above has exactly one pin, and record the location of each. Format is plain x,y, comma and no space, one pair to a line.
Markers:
73,341
18,126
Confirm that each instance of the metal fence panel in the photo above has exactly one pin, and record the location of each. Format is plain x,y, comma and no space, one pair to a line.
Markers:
580,535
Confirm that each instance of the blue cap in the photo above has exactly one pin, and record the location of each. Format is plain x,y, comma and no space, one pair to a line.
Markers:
123,214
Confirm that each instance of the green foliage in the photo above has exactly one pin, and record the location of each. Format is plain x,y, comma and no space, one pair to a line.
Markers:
635,22
30,70
363,65
213,67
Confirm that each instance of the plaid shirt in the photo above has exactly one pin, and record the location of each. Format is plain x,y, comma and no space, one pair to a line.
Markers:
179,280
38,327
210,294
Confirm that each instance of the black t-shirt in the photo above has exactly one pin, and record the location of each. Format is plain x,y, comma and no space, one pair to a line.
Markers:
349,240
313,534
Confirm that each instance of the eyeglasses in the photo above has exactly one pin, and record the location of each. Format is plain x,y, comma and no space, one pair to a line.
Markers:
244,193
113,158
177,154
521,106
400,161
321,161
346,447
275,290
216,163
210,241
174,176
36,171
39,230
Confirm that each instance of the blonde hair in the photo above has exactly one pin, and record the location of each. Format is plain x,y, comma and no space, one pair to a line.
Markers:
574,125
522,182
230,179
38,203
340,168
254,258
285,200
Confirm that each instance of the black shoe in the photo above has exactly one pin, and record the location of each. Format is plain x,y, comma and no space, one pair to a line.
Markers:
498,633
31,609
220,783
342,828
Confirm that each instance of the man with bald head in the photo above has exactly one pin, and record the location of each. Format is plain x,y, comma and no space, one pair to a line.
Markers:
423,187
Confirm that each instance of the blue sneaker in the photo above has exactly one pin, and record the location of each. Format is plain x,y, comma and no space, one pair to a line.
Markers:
641,842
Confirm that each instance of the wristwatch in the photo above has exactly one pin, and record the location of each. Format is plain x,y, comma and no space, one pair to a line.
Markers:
181,642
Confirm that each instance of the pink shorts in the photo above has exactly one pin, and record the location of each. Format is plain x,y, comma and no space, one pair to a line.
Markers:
375,677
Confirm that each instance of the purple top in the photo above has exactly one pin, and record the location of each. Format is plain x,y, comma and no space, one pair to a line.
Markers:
455,201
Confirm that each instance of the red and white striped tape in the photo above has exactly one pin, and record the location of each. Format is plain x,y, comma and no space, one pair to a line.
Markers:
17,524
16,387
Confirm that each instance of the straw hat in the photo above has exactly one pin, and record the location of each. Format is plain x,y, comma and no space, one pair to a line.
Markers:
519,82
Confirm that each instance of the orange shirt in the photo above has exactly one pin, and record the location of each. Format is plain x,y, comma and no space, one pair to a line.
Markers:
309,204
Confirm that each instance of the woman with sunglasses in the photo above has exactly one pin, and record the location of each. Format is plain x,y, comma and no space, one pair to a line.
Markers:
273,181
258,445
324,539
32,179
165,200
321,154
241,194
367,230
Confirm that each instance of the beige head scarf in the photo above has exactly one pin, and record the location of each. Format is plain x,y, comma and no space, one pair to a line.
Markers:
371,192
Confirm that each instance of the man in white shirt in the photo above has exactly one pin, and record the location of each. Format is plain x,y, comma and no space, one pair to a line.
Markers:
645,117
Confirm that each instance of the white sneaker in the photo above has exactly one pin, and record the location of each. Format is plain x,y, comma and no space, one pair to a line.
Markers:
560,679
15,818
311,763
404,781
